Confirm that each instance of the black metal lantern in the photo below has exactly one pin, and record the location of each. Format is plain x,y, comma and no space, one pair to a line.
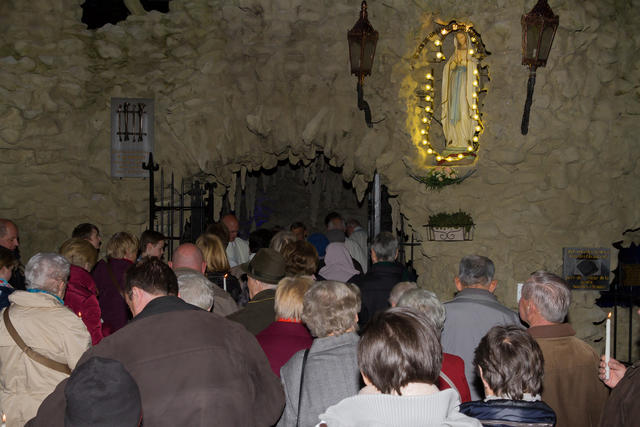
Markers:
362,48
538,30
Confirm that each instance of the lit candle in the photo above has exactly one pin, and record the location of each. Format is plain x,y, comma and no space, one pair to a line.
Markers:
224,282
607,347
80,314
4,420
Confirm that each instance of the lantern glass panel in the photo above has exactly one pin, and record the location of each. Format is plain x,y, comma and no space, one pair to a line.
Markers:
369,52
354,54
532,39
545,43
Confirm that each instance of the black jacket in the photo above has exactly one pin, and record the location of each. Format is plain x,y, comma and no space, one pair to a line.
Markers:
375,287
507,413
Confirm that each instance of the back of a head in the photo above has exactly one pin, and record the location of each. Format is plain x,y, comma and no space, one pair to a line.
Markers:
84,230
550,294
476,270
122,244
195,289
101,392
334,221
331,308
512,362
398,290
79,252
385,246
353,223
219,229
427,303
152,276
45,271
290,296
399,346
300,258
281,239
213,252
259,239
187,255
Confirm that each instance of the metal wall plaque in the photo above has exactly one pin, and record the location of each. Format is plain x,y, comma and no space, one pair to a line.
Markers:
587,268
132,135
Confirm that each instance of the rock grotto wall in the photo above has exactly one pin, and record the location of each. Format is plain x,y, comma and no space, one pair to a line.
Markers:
240,84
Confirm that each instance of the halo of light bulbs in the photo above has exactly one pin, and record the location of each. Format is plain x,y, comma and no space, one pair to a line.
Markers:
433,43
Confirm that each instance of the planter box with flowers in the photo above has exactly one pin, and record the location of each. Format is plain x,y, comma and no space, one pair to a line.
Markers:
450,227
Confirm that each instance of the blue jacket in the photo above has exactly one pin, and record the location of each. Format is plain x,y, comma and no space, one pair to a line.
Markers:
5,291
510,413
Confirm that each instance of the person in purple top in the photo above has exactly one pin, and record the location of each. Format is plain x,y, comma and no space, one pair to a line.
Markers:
109,277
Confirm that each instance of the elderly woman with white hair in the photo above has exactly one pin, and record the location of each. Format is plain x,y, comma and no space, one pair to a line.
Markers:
38,318
452,373
321,376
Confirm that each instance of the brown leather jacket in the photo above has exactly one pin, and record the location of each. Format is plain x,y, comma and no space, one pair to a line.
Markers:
193,368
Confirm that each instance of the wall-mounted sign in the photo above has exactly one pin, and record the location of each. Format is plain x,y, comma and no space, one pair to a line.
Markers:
587,268
132,131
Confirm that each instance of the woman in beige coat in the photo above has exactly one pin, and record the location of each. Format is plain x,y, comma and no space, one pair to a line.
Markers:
48,327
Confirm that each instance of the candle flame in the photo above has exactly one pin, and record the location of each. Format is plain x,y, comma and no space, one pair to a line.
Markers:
79,314
4,417
609,315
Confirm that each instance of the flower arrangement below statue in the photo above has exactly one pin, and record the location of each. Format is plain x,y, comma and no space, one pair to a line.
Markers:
441,177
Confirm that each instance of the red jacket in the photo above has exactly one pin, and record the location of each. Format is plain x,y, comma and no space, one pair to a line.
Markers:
82,299
281,340
453,367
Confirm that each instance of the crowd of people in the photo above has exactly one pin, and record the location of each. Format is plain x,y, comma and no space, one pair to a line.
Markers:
286,328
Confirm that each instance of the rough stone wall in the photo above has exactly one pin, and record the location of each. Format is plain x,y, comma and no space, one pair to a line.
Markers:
240,84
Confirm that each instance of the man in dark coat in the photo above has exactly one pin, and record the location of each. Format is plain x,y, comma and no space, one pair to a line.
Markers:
264,272
376,285
193,368
9,238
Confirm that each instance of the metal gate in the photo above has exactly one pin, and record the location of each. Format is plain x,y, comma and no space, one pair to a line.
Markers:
181,214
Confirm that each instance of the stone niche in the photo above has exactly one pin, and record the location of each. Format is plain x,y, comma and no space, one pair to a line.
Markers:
240,85
290,193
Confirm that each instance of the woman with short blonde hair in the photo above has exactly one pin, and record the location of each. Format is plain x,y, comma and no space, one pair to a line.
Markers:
82,294
287,335
123,245
79,252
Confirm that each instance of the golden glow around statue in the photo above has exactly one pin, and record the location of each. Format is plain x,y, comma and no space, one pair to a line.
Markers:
459,104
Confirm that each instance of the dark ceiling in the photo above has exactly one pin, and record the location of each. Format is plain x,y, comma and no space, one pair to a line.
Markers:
96,13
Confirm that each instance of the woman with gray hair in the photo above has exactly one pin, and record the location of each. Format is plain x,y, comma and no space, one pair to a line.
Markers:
326,373
57,338
452,374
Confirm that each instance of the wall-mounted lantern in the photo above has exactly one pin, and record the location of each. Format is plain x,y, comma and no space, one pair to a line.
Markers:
362,48
538,30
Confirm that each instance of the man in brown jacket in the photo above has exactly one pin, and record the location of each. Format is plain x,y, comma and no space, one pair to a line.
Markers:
43,323
571,385
193,368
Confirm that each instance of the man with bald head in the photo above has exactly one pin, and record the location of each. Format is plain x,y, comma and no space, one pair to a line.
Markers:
237,249
188,259
9,238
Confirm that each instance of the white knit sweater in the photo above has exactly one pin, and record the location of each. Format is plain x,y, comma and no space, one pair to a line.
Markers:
377,410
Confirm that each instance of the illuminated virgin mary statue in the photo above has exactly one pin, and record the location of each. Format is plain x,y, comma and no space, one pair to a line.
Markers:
457,96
